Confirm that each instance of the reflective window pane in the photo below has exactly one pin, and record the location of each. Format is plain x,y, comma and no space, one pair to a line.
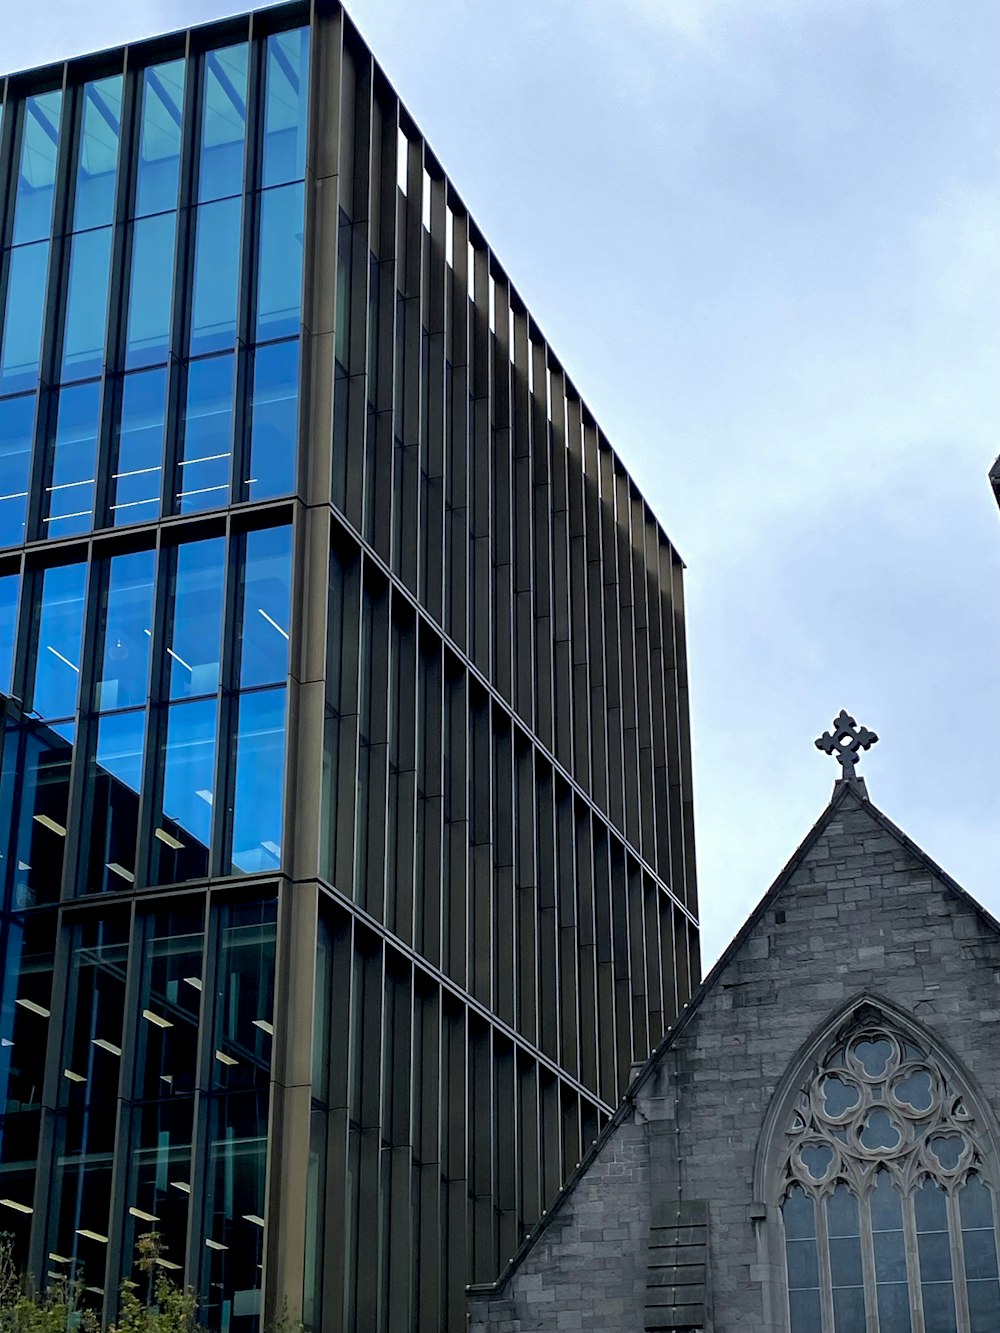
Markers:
10,587
85,1149
125,630
160,137
274,421
266,594
115,778
147,339
137,478
286,92
159,1179
37,174
203,474
19,1139
43,806
279,266
22,331
244,998
216,276
70,496
233,1243
260,771
934,1249
182,837
86,305
57,650
97,169
17,425
195,623
166,1056
24,1015
95,1012
223,123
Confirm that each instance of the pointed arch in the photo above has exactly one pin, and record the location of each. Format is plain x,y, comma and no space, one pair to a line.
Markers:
878,1166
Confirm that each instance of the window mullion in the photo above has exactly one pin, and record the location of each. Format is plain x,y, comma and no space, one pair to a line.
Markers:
958,1263
868,1263
913,1264
825,1273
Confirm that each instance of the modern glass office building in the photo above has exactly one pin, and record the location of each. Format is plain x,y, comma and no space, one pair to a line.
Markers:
345,819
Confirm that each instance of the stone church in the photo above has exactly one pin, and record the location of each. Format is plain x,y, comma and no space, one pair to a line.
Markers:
814,1147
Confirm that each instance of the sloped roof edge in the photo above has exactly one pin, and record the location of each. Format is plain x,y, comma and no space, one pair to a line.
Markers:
842,791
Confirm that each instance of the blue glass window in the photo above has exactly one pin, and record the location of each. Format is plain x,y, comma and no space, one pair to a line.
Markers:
234,1202
22,331
97,170
71,493
274,411
125,630
285,102
203,474
244,1007
86,305
160,137
10,586
43,794
188,790
37,174
137,477
216,276
260,771
57,646
17,424
95,1011
147,339
279,267
223,123
115,780
267,576
195,630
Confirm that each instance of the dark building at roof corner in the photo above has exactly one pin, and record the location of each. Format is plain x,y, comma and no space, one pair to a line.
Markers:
346,853
814,1147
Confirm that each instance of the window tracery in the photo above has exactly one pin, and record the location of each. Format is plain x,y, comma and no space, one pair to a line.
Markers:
887,1194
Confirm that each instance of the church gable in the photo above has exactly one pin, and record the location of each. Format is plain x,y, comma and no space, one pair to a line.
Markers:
859,912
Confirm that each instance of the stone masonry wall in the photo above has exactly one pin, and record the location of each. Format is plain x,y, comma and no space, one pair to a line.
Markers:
860,913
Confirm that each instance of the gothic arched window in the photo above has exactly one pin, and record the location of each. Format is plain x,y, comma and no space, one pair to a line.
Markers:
887,1194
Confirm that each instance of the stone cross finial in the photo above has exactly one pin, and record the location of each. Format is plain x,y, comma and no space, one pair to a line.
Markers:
845,740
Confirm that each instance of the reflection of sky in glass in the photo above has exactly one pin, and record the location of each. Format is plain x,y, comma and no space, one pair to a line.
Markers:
39,147
285,99
189,768
9,588
224,116
74,467
60,627
119,747
160,137
266,607
127,629
17,421
260,761
274,419
137,477
98,165
193,644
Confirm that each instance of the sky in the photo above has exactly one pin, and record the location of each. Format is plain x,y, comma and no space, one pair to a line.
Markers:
763,237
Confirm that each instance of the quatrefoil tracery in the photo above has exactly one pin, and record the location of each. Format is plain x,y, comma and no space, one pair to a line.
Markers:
877,1101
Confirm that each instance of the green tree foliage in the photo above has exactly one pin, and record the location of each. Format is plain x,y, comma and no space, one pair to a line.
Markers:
153,1305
